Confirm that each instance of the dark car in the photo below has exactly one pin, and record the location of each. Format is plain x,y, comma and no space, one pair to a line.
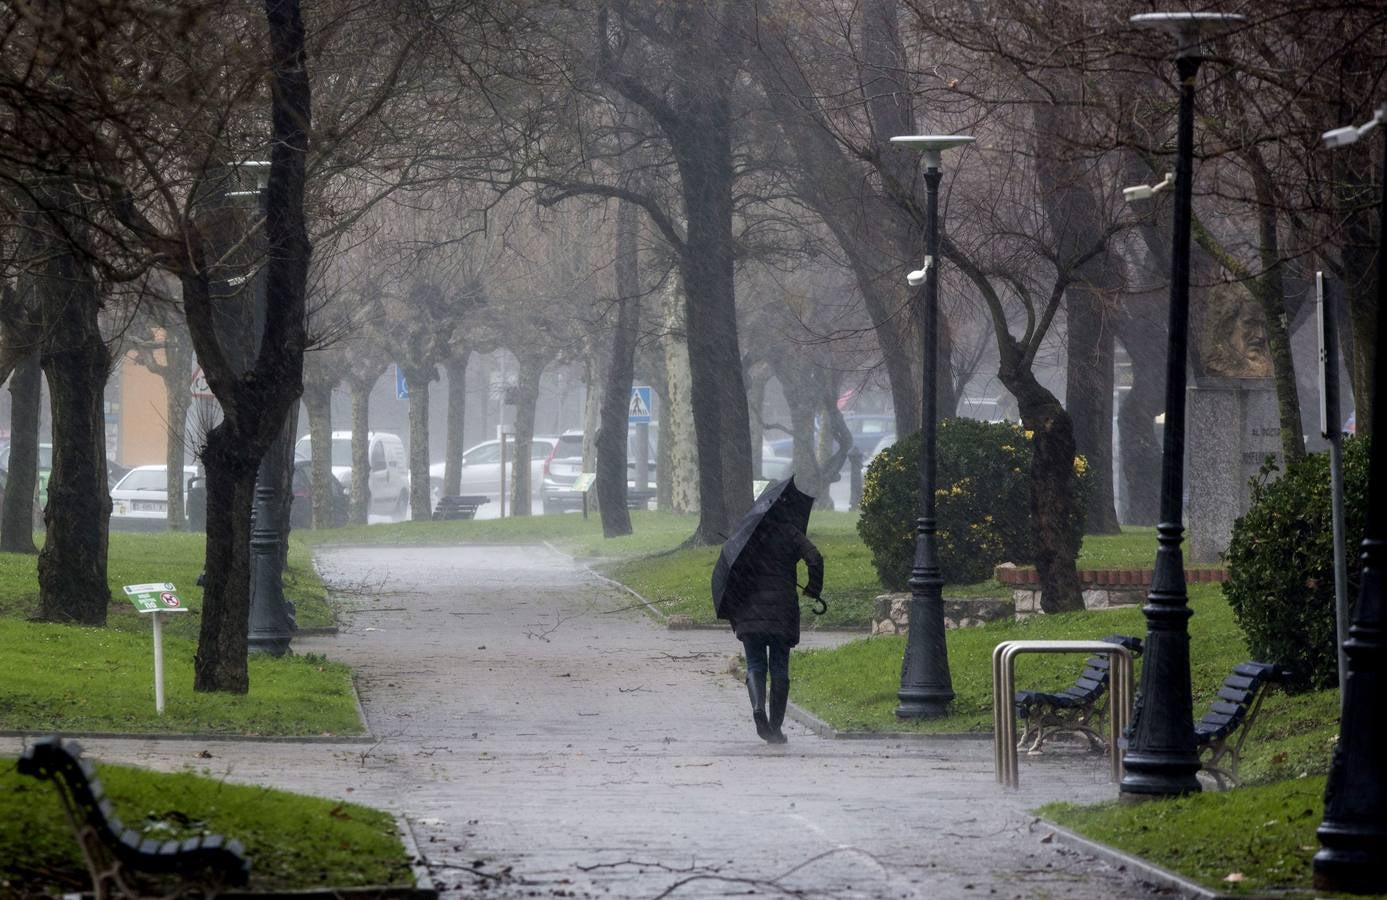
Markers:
301,511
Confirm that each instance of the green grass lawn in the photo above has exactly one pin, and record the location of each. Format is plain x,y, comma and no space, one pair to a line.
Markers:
653,532
1264,834
677,582
71,678
293,841
853,687
176,557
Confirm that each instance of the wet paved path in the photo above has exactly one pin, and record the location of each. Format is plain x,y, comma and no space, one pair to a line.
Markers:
541,741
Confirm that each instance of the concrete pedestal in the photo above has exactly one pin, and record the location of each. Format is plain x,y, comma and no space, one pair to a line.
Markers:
1232,428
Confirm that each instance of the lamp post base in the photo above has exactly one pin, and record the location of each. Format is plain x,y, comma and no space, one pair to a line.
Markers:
1148,777
924,707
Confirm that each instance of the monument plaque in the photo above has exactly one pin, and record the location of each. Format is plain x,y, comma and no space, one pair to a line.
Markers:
1233,428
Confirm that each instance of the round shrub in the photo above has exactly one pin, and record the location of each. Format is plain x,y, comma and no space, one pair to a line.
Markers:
982,502
1281,563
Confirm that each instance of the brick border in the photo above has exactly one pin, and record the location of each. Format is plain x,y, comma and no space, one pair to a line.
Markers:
1027,577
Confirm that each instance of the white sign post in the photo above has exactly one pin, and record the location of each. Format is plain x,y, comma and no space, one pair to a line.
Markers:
157,599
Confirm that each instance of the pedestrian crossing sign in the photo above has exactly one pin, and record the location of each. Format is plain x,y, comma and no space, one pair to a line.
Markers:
639,410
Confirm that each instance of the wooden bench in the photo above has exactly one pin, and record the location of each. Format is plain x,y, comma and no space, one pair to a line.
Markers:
122,862
1220,734
459,507
1076,709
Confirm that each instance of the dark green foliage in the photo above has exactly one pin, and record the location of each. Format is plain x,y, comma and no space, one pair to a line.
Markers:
982,499
1281,563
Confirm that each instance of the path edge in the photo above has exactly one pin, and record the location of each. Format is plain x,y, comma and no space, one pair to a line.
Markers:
1143,868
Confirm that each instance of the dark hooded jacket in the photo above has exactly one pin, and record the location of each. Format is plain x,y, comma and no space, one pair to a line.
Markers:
763,588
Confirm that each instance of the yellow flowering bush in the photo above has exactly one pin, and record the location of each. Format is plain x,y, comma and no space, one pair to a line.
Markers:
982,502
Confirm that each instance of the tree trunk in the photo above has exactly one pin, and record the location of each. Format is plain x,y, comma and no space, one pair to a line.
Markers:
1088,398
682,446
526,399
72,564
17,528
220,661
420,503
361,470
721,423
616,390
1356,206
1074,209
317,400
1052,490
456,369
1270,290
179,400
1140,326
255,403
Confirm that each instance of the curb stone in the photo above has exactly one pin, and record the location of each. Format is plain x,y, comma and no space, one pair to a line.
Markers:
1147,870
423,878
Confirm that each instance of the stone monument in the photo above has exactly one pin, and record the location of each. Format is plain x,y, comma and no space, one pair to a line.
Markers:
1233,424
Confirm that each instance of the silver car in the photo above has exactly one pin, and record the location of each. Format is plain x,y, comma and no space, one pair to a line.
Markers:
481,468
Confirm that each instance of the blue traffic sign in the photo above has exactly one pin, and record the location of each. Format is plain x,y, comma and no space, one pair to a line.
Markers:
639,410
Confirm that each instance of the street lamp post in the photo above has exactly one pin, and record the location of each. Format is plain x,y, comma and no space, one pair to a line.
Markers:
1353,833
1161,758
926,687
271,624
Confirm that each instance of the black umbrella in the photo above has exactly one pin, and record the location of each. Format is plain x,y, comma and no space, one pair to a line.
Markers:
781,503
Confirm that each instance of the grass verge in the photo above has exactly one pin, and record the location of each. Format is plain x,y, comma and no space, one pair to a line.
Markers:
71,678
1261,837
677,581
293,841
853,687
652,532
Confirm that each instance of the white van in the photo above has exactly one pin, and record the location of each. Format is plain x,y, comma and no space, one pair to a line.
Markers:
389,469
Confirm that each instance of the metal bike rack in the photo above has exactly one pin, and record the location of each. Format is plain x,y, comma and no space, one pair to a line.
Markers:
1004,698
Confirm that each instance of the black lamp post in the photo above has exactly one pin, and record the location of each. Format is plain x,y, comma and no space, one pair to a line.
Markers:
271,617
1161,758
1353,834
926,687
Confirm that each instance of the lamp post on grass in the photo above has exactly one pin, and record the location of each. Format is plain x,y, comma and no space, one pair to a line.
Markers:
926,687
1353,833
271,625
1161,758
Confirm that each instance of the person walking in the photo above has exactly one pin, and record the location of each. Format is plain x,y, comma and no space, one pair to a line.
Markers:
763,609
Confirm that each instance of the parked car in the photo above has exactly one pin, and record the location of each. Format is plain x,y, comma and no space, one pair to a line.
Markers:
301,509
481,468
565,464
868,429
388,481
45,468
114,472
140,500
775,467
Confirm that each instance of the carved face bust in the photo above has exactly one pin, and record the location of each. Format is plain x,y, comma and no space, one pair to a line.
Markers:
1233,337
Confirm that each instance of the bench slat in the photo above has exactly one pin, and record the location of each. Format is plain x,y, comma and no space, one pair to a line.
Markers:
1235,695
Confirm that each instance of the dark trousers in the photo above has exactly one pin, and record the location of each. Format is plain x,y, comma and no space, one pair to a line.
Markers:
765,652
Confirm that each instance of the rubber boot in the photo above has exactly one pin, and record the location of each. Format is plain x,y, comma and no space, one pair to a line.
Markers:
756,689
780,695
